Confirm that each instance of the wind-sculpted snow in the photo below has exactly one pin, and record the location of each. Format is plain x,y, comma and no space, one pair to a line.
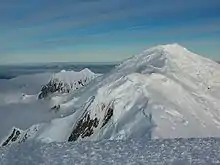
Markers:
165,92
130,152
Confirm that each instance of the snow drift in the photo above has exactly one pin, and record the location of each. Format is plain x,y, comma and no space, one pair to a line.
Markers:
165,92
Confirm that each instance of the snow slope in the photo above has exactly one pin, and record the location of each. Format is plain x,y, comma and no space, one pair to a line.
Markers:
165,92
19,104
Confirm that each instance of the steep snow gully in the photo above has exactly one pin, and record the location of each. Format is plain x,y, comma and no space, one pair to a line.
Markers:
164,92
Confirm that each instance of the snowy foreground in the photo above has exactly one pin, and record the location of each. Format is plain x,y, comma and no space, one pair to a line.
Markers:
131,152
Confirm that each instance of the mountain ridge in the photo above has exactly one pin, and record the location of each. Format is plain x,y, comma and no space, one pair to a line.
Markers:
164,92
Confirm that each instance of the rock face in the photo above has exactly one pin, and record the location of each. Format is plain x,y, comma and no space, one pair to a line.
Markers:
56,107
88,124
66,81
13,137
84,128
19,136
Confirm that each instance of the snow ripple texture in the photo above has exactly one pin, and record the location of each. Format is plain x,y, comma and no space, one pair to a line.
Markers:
131,152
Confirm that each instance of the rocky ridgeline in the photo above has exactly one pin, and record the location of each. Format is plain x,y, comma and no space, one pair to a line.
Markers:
66,81
61,87
86,125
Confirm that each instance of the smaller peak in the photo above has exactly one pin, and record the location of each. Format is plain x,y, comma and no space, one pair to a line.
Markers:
174,47
170,46
86,70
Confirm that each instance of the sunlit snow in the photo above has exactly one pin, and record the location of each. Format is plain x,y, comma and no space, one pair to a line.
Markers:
164,92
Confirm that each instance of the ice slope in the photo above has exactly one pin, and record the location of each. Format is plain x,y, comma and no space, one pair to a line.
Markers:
165,92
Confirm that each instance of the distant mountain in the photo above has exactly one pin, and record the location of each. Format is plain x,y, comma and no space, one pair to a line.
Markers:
164,92
12,71
66,81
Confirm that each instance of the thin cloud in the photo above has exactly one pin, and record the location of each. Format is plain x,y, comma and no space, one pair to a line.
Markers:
46,24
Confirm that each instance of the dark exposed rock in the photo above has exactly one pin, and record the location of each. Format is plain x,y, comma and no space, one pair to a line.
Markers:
84,127
108,116
80,82
61,87
24,138
52,87
13,137
56,107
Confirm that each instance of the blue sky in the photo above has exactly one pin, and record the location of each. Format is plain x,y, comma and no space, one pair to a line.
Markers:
33,31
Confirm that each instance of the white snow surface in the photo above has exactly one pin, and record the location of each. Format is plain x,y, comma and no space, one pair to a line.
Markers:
71,76
165,92
129,152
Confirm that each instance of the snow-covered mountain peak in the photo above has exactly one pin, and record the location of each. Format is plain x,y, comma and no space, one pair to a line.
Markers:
66,81
156,59
69,76
86,71
166,58
164,92
169,47
174,53
167,52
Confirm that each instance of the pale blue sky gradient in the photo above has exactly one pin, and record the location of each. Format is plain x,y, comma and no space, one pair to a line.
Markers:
102,30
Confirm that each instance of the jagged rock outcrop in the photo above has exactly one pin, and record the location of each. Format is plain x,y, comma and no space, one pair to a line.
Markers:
88,124
13,137
19,136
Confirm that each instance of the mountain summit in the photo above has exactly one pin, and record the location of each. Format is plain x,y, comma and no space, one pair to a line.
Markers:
164,92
